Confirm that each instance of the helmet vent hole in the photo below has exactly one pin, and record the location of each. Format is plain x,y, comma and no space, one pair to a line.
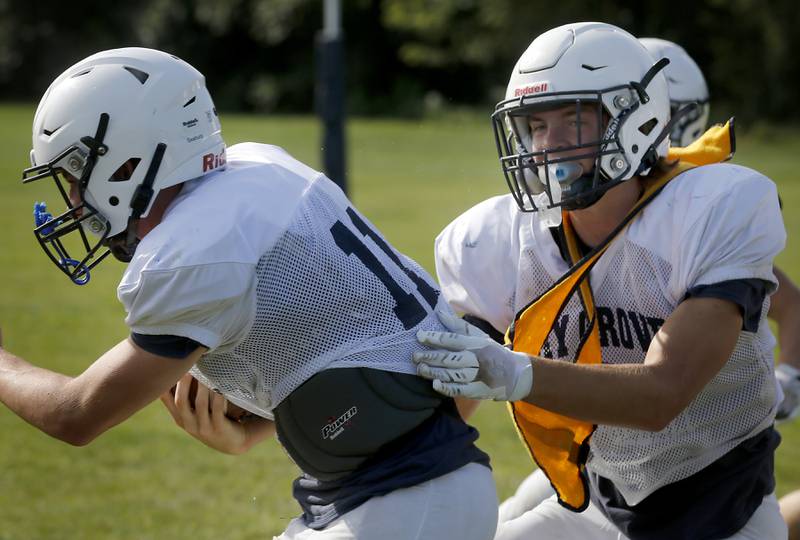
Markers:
113,201
190,101
125,171
140,75
648,126
82,73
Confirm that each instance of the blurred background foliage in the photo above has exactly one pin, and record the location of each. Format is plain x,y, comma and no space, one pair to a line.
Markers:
404,57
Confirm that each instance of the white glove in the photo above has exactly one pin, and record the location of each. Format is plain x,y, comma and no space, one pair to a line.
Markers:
472,364
789,379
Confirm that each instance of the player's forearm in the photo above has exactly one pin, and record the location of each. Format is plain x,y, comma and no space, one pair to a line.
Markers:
788,323
622,395
785,311
691,347
38,396
789,340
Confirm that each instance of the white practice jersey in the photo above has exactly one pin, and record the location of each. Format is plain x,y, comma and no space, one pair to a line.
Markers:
710,224
268,265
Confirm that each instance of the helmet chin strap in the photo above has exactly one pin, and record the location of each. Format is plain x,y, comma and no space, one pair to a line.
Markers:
641,86
123,245
585,200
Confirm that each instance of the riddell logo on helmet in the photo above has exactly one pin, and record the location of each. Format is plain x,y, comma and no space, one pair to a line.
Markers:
213,161
538,88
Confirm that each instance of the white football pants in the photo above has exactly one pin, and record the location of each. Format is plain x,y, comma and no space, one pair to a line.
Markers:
533,490
458,505
550,521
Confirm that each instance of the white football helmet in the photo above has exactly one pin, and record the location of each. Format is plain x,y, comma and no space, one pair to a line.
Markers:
686,85
579,64
123,125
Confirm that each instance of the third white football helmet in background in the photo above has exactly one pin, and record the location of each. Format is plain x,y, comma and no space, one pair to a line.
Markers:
686,85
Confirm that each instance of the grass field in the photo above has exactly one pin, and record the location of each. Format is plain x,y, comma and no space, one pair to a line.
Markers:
146,479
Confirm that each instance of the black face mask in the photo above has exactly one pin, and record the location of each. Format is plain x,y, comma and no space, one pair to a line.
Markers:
528,173
56,234
520,164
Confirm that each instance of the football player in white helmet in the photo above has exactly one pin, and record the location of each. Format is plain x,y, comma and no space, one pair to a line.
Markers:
255,274
648,276
687,85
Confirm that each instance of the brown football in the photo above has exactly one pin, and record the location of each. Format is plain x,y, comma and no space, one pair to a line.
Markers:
234,412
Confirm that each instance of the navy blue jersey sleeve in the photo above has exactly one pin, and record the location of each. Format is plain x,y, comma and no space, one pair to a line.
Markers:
486,327
748,294
169,346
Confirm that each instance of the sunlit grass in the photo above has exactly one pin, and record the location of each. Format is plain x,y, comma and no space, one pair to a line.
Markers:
147,479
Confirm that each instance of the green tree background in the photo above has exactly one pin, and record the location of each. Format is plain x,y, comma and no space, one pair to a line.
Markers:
404,57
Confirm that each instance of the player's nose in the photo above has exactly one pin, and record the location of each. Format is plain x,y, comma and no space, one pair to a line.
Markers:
556,137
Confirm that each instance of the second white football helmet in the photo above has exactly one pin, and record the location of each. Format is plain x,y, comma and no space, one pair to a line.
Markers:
686,85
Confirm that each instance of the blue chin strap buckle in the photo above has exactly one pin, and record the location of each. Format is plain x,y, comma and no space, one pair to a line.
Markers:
80,279
42,217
